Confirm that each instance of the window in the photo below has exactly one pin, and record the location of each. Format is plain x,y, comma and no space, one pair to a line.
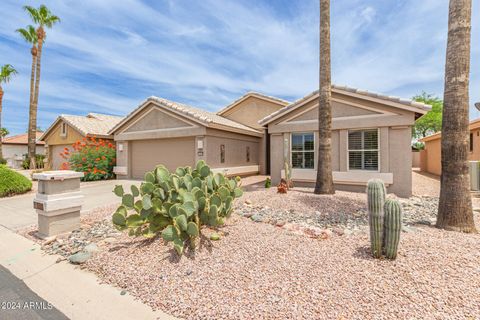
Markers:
471,142
363,149
222,153
303,150
63,131
248,154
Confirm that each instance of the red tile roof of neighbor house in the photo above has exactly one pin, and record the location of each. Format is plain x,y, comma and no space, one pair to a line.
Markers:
21,139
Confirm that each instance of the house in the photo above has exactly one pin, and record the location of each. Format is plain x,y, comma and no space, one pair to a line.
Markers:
371,138
68,129
430,157
160,131
14,149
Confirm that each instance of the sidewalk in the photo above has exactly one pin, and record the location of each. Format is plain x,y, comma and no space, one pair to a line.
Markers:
17,212
74,292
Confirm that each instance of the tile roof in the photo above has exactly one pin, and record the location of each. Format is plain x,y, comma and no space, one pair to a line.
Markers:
410,103
205,117
92,124
22,139
252,94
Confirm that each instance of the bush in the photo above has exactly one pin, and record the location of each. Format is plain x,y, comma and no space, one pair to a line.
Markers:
12,182
94,157
176,204
3,161
38,160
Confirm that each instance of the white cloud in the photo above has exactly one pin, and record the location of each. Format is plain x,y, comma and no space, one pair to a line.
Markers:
109,55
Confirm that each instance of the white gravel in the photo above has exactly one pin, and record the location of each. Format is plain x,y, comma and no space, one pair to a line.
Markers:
258,271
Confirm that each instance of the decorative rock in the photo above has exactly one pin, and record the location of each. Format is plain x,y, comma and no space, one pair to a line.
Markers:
248,201
123,292
91,248
79,257
214,236
280,223
257,218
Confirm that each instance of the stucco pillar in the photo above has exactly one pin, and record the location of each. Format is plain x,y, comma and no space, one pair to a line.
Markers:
200,148
343,150
122,169
384,150
276,157
262,153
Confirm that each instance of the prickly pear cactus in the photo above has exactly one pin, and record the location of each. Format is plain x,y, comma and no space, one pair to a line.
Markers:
392,227
376,199
176,204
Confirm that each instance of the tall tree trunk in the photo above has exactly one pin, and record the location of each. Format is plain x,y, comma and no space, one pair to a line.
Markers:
455,206
324,183
32,124
1,137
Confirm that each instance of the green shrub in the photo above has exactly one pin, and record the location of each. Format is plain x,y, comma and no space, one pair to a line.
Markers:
3,161
12,182
94,157
38,160
268,183
176,204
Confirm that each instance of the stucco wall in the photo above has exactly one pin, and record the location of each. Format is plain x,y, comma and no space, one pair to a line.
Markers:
251,110
400,161
13,151
54,137
431,158
235,149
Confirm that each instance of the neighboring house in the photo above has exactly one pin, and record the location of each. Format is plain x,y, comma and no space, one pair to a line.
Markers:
68,129
430,157
16,147
371,138
160,131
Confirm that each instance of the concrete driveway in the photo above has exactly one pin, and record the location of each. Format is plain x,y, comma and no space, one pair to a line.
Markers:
17,212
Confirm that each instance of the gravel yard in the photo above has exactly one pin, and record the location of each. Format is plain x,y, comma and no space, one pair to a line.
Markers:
263,267
258,271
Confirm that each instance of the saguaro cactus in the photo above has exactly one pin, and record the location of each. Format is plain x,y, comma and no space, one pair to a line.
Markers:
393,228
376,199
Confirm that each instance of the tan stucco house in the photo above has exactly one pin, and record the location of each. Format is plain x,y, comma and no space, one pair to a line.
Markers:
257,133
430,157
68,129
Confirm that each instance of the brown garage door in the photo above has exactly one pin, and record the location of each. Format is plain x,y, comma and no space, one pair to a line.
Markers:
172,153
56,159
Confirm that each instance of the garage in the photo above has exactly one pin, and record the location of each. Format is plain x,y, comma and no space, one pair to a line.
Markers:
54,155
173,152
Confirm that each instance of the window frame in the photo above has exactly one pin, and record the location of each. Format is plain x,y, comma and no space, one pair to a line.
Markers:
363,150
63,129
471,142
222,153
314,151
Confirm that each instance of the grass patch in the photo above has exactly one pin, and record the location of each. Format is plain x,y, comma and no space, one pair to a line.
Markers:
12,182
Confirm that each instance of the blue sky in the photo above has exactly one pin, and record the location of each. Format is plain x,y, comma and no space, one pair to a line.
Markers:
109,55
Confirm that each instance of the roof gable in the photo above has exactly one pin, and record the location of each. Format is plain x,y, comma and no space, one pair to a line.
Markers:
250,94
202,117
92,124
389,101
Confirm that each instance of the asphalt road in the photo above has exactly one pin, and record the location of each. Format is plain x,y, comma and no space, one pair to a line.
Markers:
18,302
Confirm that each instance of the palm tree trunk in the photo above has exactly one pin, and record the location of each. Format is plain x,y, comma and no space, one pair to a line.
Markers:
32,125
1,137
455,206
324,183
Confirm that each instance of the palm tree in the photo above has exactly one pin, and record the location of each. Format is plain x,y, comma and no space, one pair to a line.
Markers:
6,73
43,18
29,34
324,183
455,206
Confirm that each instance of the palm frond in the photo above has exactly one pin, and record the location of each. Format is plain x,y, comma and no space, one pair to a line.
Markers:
29,34
33,13
6,73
